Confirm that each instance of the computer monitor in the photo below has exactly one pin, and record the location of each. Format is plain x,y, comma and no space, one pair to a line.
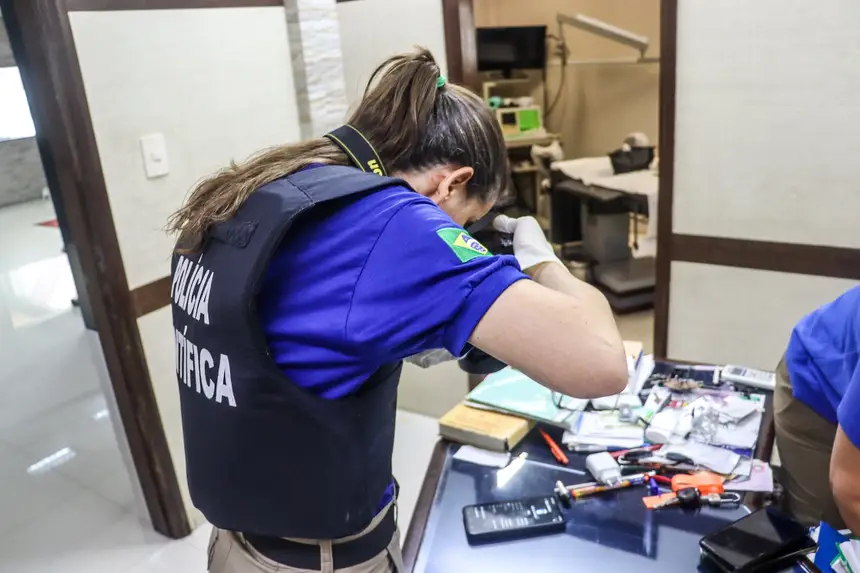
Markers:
508,49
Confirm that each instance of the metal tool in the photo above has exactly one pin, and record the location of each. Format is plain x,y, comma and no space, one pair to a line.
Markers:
564,491
590,448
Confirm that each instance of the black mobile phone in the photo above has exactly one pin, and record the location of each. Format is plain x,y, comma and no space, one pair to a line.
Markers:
757,541
487,522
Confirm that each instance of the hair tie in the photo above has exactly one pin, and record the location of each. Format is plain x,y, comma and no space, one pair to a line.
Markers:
441,81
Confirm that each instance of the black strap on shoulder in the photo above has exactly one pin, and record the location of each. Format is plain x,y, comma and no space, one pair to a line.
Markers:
358,148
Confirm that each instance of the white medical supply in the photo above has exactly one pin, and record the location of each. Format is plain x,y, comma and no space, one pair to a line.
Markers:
749,376
616,402
655,402
604,468
671,425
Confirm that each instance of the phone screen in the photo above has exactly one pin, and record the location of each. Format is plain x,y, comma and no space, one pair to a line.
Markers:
756,537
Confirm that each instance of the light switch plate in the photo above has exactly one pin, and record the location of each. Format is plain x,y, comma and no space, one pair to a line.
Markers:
154,150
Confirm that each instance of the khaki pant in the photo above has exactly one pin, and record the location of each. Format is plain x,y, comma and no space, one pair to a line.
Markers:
805,442
230,553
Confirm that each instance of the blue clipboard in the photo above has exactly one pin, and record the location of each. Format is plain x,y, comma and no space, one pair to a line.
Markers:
828,547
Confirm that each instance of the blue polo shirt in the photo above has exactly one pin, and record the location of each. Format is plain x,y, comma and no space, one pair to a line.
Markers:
823,361
366,281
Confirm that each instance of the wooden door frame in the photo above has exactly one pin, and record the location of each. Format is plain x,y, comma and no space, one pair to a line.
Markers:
461,52
666,153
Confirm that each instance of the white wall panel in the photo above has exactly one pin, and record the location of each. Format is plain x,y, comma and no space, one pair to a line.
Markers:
218,83
373,30
767,109
741,316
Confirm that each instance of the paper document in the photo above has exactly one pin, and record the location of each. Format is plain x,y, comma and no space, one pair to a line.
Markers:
643,372
735,408
760,479
850,552
742,435
744,468
603,428
716,459
481,457
606,424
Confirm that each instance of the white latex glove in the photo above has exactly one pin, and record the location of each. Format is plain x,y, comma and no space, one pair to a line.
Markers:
530,245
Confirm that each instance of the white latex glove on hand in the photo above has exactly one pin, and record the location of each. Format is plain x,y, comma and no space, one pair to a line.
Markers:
530,245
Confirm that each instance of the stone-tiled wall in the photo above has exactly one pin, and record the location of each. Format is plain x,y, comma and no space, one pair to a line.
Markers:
6,59
317,65
21,175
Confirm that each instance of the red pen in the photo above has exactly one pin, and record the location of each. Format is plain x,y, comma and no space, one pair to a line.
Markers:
553,447
651,448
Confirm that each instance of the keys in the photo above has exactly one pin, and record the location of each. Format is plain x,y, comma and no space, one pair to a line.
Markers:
687,497
728,499
691,498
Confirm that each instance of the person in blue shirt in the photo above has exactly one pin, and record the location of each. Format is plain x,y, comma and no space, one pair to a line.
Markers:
817,414
319,294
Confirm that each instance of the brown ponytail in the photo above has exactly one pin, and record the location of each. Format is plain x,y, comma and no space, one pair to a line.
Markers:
412,124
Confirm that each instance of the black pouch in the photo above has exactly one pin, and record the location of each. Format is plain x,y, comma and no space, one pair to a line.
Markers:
765,540
637,159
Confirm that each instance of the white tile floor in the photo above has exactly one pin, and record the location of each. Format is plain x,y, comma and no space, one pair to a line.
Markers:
67,503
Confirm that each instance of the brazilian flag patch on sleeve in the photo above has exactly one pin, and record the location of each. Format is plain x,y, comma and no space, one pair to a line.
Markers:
464,246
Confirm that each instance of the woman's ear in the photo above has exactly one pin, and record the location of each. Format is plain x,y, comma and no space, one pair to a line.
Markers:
453,182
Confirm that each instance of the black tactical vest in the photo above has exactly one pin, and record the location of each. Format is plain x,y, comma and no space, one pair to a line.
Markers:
265,456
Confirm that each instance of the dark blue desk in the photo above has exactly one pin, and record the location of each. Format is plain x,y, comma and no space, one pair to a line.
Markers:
610,532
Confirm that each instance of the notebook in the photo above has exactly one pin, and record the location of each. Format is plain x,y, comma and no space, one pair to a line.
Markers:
512,392
483,428
837,551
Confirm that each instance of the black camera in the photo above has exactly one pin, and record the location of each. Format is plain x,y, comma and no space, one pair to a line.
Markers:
477,361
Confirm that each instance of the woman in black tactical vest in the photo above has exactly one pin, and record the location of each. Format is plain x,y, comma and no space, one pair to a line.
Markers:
301,280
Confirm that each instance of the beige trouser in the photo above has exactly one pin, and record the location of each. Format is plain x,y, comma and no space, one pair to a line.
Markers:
230,553
805,442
